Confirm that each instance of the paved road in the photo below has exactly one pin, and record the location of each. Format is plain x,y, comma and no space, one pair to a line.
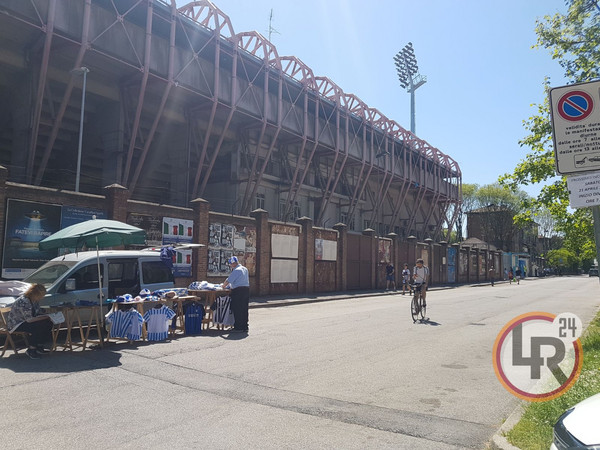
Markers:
349,374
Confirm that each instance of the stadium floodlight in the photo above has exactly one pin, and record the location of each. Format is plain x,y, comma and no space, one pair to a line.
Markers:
409,77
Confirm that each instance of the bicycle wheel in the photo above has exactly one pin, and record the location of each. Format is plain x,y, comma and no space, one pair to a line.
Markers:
422,307
414,307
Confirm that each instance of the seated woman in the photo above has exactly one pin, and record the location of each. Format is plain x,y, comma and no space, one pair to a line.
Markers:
25,315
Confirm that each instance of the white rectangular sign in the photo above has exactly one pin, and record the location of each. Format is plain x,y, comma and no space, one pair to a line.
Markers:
575,113
584,190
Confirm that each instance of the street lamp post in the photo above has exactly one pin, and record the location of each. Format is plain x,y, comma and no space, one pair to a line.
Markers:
80,71
410,79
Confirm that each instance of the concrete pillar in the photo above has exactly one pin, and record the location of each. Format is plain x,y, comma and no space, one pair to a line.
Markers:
306,256
117,197
200,255
341,279
263,252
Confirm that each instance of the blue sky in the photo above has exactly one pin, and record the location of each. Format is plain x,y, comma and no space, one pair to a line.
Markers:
482,74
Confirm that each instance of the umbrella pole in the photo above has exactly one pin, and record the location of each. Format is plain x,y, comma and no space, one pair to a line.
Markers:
100,296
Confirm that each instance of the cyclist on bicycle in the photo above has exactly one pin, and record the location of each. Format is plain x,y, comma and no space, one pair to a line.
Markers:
420,276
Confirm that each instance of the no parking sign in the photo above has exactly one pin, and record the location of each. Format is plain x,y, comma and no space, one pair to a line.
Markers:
576,127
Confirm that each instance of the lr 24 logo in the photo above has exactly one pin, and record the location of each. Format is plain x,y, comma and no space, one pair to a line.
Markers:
538,355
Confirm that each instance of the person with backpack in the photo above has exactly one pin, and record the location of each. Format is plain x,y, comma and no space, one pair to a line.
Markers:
421,277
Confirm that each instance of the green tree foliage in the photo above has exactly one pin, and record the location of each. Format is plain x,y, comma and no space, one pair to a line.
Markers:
562,259
573,40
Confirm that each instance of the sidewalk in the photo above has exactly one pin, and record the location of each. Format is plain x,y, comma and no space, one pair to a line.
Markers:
296,299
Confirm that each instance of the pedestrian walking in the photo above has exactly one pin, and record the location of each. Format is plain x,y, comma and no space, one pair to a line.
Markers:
518,275
390,277
491,274
406,280
510,276
239,284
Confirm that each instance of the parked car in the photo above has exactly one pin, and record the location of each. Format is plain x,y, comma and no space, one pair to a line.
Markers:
75,276
593,272
578,426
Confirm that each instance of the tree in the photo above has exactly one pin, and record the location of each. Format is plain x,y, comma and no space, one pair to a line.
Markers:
574,41
468,203
491,217
562,259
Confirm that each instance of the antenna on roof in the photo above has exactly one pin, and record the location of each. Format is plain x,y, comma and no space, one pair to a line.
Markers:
271,29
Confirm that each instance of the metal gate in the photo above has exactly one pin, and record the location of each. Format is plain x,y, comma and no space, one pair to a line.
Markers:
451,265
359,261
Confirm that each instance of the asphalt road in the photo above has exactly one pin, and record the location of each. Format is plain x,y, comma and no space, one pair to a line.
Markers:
345,374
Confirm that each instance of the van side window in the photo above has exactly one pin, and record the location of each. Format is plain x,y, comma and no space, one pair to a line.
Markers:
156,272
87,277
122,277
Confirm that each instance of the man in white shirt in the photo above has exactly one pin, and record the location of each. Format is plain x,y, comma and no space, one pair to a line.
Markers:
239,283
421,276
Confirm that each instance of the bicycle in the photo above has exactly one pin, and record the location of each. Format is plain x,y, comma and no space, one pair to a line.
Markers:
418,307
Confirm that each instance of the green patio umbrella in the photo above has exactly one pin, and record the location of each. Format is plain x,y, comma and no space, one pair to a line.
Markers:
98,233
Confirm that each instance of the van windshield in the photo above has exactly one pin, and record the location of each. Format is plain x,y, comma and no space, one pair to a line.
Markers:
49,272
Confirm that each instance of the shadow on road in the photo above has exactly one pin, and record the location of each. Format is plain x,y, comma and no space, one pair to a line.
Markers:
429,322
63,362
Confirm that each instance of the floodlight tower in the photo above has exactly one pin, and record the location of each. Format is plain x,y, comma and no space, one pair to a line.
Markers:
410,79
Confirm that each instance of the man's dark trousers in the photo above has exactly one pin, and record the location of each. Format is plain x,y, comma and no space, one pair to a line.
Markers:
240,300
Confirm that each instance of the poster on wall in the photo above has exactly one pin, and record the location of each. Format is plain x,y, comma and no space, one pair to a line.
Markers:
27,223
284,271
214,262
227,236
70,215
385,251
244,246
179,231
151,225
225,241
284,246
225,257
214,235
325,250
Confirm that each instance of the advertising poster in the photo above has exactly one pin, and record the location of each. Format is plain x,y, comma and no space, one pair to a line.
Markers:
227,236
225,256
318,249
74,214
385,251
214,235
225,241
245,247
214,262
27,223
179,231
151,225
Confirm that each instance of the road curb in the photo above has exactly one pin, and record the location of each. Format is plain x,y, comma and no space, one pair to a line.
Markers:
499,442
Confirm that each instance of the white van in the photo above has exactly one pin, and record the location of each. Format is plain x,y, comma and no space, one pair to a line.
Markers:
74,276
